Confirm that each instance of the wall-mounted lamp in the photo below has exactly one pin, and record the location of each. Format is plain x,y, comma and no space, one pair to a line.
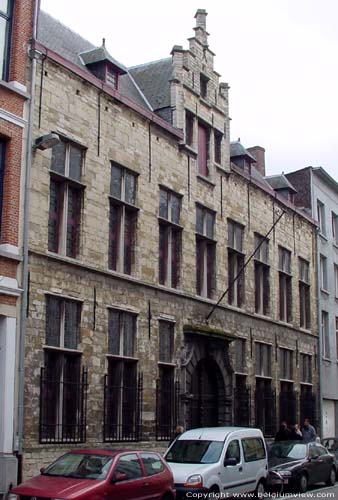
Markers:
46,141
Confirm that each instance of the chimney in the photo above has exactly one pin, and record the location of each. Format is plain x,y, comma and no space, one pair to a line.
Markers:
259,153
201,19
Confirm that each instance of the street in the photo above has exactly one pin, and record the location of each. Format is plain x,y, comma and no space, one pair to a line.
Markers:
315,492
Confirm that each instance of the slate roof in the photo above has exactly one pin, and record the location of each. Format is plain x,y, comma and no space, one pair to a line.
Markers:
154,81
279,181
237,149
68,44
99,54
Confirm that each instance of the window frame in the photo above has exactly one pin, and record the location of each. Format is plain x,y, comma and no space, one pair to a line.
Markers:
122,225
262,275
285,284
3,149
263,360
321,217
67,193
236,257
7,38
203,149
323,273
305,368
286,364
205,252
304,294
170,240
334,227
325,332
124,317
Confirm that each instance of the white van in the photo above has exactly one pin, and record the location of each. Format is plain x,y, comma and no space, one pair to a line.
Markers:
218,460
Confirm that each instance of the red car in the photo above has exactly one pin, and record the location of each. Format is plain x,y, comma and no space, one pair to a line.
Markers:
101,475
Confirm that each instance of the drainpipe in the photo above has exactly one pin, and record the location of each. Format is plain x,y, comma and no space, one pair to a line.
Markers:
320,340
24,301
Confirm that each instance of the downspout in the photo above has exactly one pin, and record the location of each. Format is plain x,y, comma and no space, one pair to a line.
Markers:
320,340
319,318
24,301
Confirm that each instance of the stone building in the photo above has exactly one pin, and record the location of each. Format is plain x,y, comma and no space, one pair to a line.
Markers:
317,192
140,218
16,24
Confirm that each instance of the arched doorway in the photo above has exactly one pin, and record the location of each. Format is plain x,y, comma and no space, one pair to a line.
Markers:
207,388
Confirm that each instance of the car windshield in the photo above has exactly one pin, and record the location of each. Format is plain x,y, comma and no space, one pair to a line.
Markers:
296,451
194,452
80,465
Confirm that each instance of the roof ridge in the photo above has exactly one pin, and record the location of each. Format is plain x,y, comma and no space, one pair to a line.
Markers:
149,63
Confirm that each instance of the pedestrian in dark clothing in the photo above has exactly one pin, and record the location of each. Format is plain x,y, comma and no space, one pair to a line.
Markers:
284,432
296,433
308,431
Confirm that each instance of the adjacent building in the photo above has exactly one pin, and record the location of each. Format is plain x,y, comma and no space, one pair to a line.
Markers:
142,215
16,25
317,193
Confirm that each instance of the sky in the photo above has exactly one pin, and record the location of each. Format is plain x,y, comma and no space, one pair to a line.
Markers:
280,58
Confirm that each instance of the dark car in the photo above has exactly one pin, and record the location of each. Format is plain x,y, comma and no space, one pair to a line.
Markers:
97,474
331,444
295,465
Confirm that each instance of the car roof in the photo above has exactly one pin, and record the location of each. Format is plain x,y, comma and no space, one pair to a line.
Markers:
218,433
108,451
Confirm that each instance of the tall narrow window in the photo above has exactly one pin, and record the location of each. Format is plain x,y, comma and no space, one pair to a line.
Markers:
203,150
335,228
62,417
235,263
204,86
122,221
325,334
189,128
240,357
285,364
66,195
305,368
285,292
262,272
218,147
336,280
205,252
323,272
2,176
321,217
304,293
166,407
170,238
121,411
6,9
263,359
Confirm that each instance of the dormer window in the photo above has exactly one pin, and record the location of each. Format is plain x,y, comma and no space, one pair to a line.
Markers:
111,78
203,86
103,65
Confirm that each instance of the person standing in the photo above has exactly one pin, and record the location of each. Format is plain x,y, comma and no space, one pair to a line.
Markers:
308,431
284,432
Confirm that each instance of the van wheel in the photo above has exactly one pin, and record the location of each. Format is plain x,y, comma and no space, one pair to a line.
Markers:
260,490
214,492
332,477
302,483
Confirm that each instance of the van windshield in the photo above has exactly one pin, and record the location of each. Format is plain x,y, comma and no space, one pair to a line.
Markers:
194,452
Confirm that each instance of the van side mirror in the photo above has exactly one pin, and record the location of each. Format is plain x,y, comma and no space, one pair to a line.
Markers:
118,476
230,461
